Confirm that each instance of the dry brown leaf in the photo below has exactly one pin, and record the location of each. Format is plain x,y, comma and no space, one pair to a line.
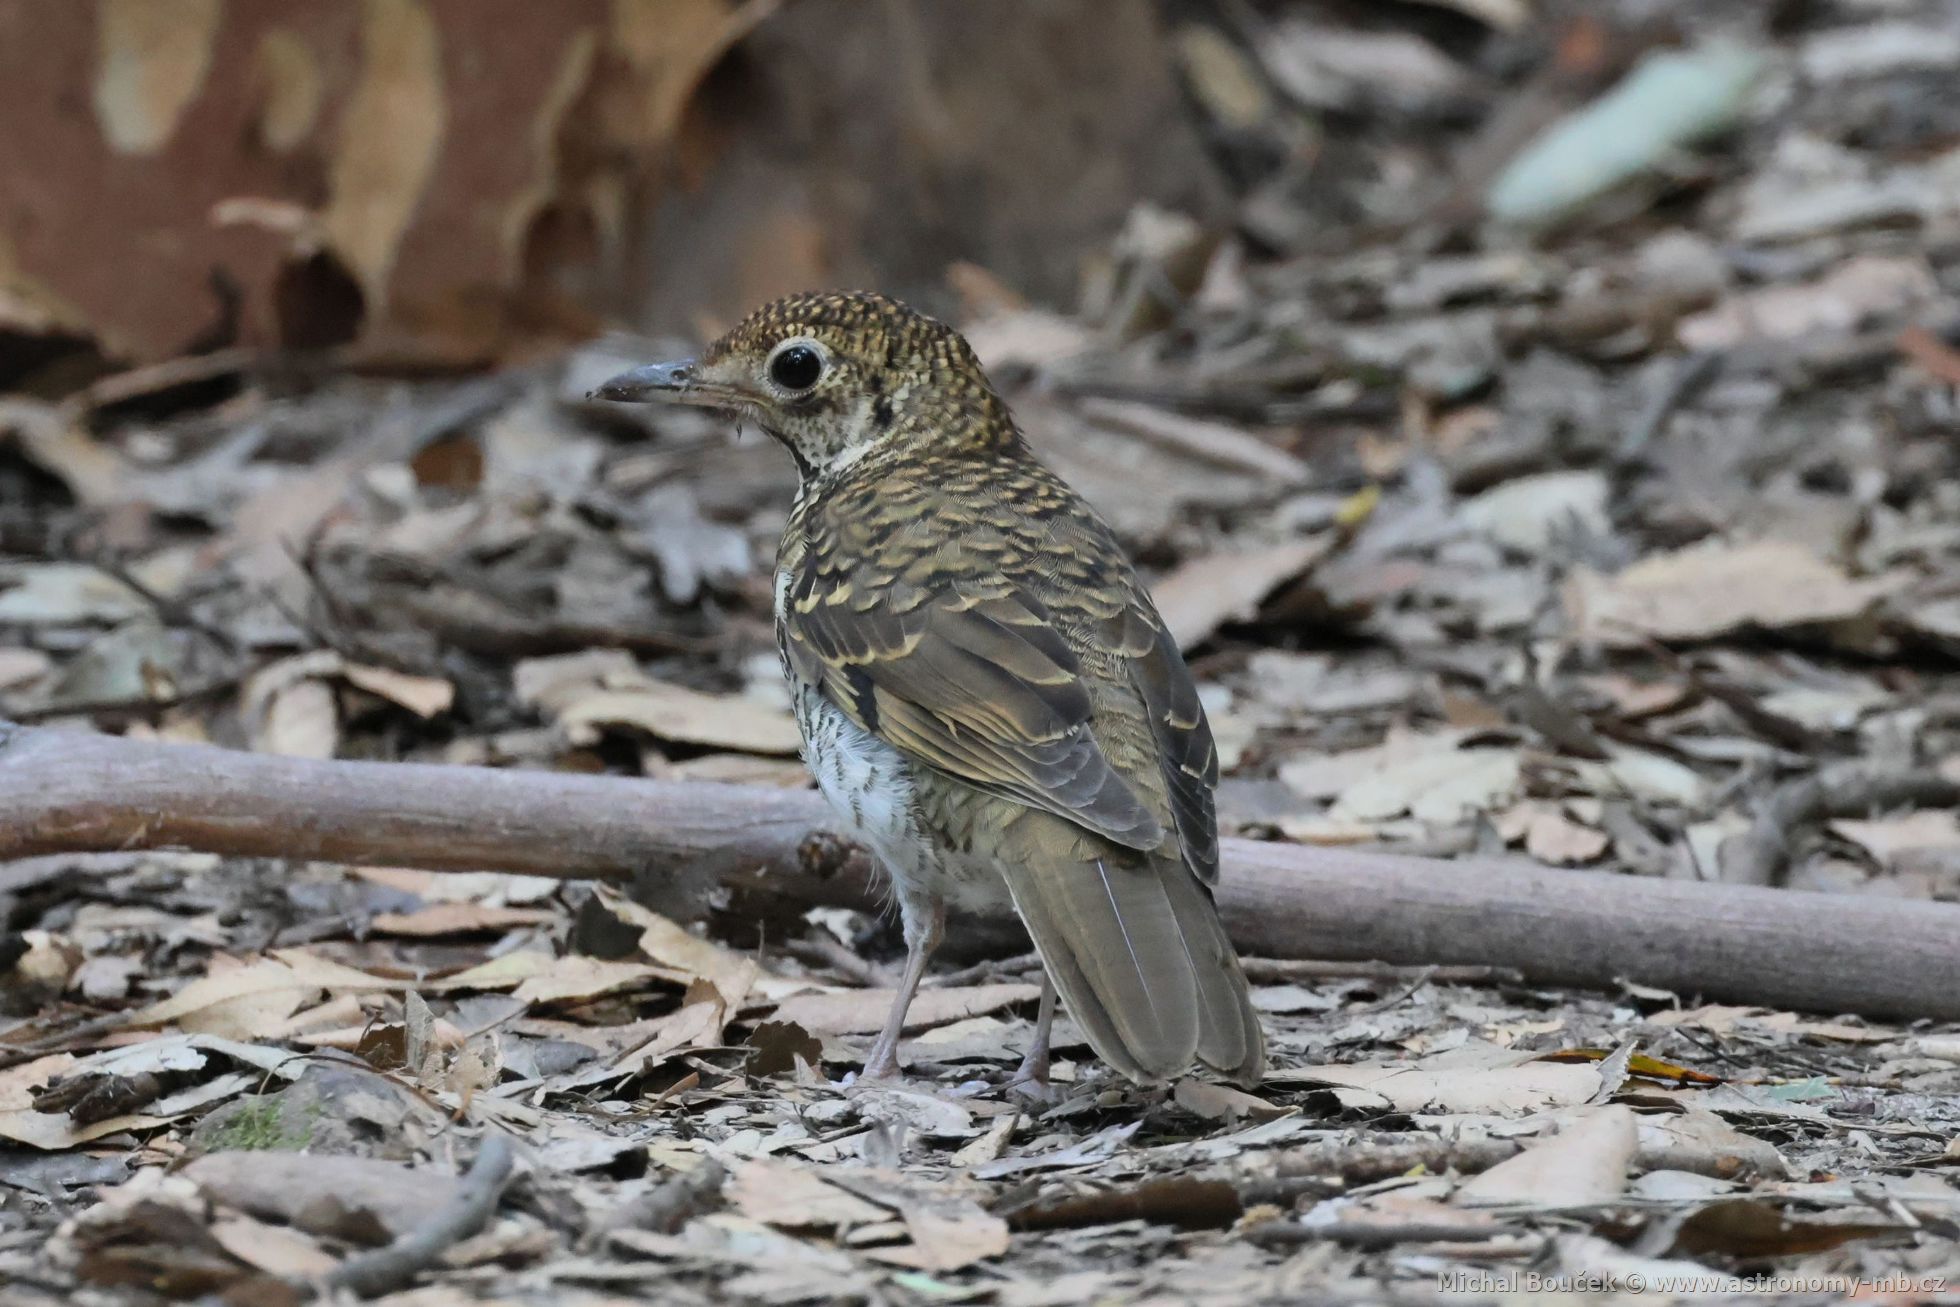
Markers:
1499,1091
1555,838
576,976
1428,777
1206,592
249,1001
64,594
1027,337
17,1083
275,1249
1703,1143
457,919
19,666
1716,588
673,712
425,696
1533,514
1326,775
56,438
795,1197
1851,294
697,1023
1887,837
1585,1162
989,1146
1215,1102
53,1132
504,972
690,956
946,1238
585,692
292,710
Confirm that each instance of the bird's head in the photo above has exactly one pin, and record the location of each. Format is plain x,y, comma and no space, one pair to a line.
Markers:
836,376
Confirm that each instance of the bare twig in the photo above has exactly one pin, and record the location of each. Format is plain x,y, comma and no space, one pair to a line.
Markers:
666,1207
1348,1159
1370,1234
1690,374
1759,856
384,1270
825,951
697,847
985,972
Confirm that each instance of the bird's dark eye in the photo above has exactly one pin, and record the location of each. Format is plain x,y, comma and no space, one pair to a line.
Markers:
796,368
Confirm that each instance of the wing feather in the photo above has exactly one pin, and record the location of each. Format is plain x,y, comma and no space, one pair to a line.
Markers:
980,686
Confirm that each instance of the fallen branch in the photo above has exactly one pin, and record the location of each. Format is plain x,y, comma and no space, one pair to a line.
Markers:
371,1274
1759,855
692,845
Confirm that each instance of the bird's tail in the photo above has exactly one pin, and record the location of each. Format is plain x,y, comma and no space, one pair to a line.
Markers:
1135,947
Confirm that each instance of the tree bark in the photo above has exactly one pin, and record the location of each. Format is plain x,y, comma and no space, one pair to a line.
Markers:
692,844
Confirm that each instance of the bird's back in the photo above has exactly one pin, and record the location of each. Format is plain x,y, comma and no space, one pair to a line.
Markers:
1110,863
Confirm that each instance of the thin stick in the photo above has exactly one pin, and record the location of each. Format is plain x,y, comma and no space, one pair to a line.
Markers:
1759,856
384,1270
667,1206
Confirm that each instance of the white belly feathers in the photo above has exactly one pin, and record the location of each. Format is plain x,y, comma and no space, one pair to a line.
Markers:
870,786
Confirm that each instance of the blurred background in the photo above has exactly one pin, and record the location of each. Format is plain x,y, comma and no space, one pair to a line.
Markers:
1538,416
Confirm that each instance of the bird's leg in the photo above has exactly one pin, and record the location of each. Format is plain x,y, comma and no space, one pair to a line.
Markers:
1034,1063
922,935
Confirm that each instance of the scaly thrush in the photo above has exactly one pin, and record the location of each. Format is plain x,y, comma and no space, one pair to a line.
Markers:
986,693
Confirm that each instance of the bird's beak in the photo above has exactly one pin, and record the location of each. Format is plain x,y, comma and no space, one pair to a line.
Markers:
669,381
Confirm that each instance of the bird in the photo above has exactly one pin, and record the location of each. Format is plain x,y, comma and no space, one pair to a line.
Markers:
987,695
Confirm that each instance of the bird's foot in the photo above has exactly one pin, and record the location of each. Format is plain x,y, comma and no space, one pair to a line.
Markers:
1030,1081
881,1064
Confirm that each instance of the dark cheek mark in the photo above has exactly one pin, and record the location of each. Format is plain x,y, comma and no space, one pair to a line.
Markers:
881,412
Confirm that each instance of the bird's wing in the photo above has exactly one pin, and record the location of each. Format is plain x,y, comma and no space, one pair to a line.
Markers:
1186,752
972,679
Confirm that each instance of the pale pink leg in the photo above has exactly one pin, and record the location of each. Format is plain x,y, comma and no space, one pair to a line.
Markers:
882,1064
1034,1064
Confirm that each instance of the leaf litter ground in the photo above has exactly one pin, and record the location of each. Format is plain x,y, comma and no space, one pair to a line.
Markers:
1582,546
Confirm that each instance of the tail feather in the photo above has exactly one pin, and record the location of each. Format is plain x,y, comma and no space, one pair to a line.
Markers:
1136,950
1230,1040
1109,936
